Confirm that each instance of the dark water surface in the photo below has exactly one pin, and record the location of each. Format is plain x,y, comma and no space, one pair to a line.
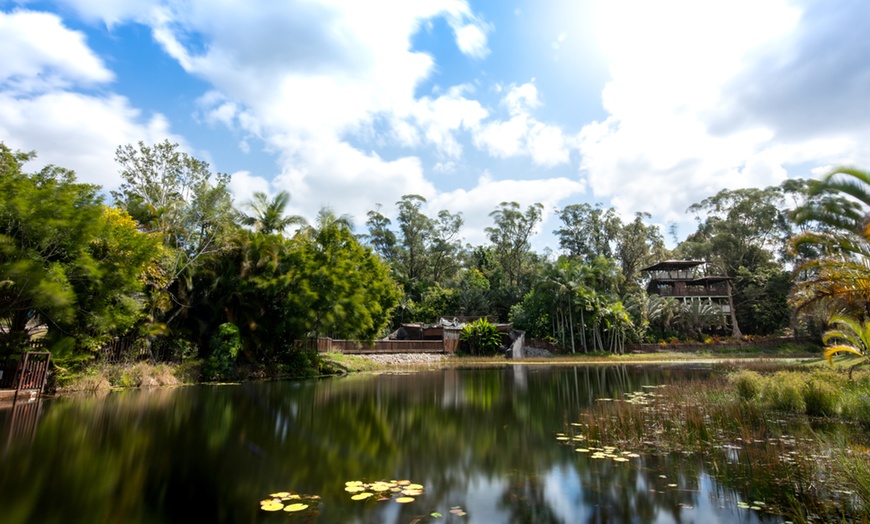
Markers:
480,439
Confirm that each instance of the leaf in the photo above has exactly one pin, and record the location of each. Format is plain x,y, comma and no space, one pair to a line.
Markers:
362,496
272,506
296,507
405,500
436,515
833,350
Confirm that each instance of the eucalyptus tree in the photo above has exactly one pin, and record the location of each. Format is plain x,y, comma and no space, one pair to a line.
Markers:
588,231
446,247
415,239
511,237
510,245
270,215
380,237
638,245
741,228
176,195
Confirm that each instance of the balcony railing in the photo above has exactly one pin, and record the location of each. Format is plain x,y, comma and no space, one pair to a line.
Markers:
709,291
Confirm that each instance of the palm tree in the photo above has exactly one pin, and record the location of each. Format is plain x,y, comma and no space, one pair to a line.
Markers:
268,215
851,337
838,274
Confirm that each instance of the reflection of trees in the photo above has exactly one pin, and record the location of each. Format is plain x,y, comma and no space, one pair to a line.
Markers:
210,453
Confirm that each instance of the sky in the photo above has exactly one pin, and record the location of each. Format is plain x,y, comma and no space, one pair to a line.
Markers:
642,106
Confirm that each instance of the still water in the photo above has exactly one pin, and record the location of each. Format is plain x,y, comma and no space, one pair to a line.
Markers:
480,442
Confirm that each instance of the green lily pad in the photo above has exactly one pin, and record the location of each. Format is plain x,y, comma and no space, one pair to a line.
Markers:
296,507
404,500
362,496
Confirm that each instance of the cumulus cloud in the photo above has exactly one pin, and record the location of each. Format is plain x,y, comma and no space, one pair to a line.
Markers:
77,131
706,96
45,66
522,134
40,54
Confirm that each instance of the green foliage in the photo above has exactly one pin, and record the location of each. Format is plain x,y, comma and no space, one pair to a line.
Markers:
437,301
269,215
481,336
836,270
761,300
68,265
225,345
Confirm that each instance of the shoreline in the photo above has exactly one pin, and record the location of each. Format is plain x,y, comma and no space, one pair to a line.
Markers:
158,376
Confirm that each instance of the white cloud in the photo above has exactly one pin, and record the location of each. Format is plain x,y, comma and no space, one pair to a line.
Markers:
676,131
471,39
40,54
522,134
78,131
333,174
243,185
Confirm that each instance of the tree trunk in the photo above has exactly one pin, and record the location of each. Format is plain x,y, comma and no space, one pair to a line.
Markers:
735,329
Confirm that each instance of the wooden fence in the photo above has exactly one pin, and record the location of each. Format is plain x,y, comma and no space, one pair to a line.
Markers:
29,373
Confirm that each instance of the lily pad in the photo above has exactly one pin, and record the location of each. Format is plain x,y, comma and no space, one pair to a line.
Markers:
404,500
362,496
272,506
296,507
280,494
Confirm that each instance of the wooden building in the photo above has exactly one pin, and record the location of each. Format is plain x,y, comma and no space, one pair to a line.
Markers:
689,280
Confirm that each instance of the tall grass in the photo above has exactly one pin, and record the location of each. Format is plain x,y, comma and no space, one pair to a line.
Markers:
744,424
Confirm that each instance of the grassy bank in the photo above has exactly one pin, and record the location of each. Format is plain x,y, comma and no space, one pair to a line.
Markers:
144,375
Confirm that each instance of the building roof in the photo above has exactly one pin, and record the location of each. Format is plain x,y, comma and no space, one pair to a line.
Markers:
670,265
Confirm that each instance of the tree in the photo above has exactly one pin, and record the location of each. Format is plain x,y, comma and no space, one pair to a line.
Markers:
588,231
839,275
511,235
415,238
638,245
446,246
269,215
70,266
171,193
381,238
742,228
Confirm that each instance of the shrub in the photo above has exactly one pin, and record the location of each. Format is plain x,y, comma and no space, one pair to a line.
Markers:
225,345
481,336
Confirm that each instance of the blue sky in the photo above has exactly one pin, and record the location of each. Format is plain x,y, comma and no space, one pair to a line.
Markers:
644,106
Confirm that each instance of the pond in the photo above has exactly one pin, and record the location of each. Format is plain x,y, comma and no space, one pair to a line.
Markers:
483,444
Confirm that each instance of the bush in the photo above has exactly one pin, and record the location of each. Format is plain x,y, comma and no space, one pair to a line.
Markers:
481,336
225,345
299,363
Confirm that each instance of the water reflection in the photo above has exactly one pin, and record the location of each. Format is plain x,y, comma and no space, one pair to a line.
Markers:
482,439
